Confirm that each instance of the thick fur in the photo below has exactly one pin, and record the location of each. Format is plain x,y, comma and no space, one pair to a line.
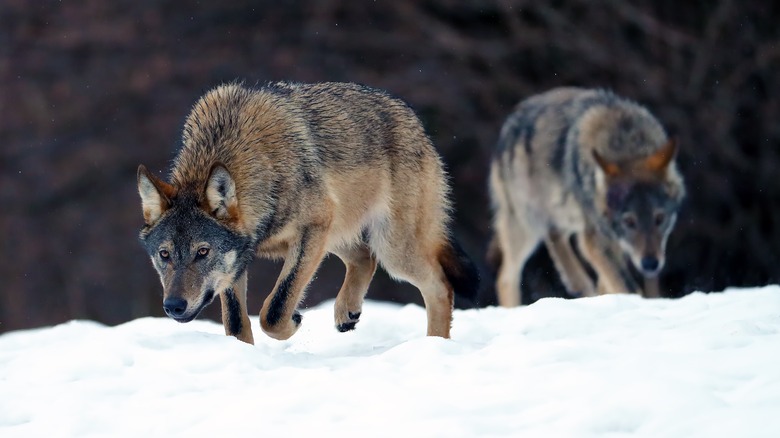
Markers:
462,273
590,165
297,171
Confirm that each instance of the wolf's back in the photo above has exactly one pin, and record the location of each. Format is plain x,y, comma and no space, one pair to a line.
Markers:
553,135
356,125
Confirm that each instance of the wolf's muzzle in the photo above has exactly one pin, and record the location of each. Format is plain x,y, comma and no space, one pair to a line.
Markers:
176,308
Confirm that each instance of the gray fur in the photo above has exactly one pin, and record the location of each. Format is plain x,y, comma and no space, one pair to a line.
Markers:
548,185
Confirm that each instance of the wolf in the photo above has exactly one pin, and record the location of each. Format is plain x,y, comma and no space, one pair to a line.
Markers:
585,166
296,171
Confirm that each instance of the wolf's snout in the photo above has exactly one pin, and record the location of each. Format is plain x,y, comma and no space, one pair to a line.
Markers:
175,307
650,264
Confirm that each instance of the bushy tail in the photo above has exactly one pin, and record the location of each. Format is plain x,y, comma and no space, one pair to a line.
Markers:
462,274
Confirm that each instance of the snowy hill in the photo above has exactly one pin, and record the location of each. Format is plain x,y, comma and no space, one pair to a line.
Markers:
611,366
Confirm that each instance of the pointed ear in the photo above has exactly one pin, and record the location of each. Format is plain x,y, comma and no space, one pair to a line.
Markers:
221,193
658,162
156,195
612,170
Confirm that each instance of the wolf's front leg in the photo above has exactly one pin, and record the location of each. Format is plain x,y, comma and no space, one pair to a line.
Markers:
234,314
607,260
573,274
652,288
361,265
279,318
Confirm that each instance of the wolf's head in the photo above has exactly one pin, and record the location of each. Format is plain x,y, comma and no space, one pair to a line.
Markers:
640,201
193,239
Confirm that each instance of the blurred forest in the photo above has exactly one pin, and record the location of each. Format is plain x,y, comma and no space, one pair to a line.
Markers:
89,89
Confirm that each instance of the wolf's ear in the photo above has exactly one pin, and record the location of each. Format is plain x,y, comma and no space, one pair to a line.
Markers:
658,162
156,195
221,193
612,170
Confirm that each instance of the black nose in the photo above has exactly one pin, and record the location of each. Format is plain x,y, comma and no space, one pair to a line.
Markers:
174,307
649,264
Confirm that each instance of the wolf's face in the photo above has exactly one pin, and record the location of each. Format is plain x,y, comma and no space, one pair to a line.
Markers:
195,253
641,217
196,258
641,201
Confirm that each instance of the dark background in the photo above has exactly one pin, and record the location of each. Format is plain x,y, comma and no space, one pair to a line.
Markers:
90,89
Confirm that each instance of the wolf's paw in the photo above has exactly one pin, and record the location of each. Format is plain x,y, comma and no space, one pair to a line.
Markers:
283,329
346,313
348,323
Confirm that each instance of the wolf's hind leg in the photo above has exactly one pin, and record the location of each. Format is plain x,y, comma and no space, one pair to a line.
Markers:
568,265
279,318
414,258
516,240
361,265
439,299
234,314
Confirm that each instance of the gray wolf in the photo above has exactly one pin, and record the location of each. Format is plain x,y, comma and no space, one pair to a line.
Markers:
294,172
589,166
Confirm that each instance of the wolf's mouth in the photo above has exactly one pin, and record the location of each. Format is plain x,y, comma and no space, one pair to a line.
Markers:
207,299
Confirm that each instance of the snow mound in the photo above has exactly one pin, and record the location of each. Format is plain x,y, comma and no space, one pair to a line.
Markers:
609,366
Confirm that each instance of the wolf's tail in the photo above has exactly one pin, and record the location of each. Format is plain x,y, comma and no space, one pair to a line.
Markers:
462,274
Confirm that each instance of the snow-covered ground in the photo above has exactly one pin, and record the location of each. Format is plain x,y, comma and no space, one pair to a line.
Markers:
700,366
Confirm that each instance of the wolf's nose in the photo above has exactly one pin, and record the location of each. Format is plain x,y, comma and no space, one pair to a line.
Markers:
649,264
174,307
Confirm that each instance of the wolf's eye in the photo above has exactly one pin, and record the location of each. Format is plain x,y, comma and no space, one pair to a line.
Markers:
164,254
629,220
203,252
659,219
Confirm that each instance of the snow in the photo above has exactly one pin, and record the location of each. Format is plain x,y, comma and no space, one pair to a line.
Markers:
609,366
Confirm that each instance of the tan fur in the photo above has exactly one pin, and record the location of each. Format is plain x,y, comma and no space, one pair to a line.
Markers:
318,169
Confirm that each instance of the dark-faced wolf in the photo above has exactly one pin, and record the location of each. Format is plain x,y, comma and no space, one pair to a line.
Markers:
589,164
296,171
